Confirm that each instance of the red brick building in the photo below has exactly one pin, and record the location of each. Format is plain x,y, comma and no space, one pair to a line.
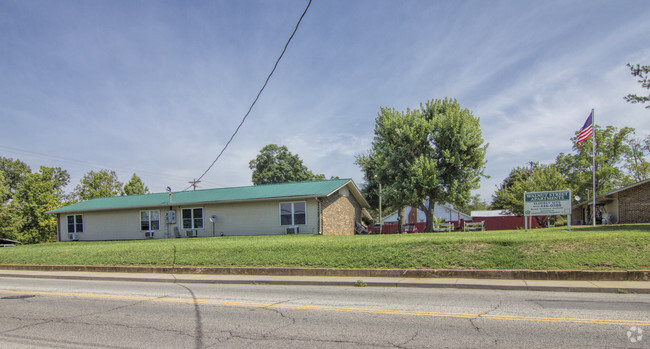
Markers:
630,204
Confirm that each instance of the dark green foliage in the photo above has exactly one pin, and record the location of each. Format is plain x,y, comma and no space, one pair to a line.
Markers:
642,72
13,171
612,148
435,154
97,185
475,204
25,198
510,195
135,186
276,164
635,158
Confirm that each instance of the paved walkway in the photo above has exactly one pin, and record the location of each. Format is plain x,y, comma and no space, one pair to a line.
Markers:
496,284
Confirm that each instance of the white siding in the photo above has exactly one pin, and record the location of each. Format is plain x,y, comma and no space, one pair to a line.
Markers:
256,218
611,208
107,225
249,218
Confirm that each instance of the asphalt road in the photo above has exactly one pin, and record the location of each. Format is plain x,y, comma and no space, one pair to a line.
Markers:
37,313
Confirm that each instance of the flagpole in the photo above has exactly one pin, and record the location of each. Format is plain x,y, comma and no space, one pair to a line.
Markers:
593,128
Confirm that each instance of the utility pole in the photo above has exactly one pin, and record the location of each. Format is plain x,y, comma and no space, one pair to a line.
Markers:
194,183
380,222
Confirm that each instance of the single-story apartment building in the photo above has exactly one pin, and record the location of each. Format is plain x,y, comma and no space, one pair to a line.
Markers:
630,204
329,207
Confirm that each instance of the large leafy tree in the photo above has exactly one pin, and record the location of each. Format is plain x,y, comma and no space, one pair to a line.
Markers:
373,191
24,198
10,220
276,164
389,149
475,204
636,158
370,189
435,154
538,177
458,148
103,183
13,172
612,146
135,186
37,193
643,73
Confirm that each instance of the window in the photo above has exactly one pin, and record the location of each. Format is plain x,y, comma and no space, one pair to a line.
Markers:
75,223
150,220
192,218
293,213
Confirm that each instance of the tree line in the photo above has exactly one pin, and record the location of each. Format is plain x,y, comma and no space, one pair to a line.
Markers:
25,196
434,154
621,159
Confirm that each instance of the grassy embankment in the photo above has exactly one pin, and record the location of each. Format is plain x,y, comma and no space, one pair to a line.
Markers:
623,247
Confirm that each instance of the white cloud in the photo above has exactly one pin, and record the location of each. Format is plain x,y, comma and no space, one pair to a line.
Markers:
159,89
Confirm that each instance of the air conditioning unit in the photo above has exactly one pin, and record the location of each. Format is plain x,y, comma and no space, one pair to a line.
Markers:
148,234
72,237
293,230
191,233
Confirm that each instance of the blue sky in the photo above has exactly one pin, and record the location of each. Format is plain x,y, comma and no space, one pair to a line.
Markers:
158,87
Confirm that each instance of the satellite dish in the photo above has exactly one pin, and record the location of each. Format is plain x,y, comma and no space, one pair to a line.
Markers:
213,218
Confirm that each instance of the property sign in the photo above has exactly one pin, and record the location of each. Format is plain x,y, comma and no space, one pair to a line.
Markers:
547,203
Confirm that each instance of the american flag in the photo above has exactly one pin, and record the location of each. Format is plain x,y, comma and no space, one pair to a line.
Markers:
586,130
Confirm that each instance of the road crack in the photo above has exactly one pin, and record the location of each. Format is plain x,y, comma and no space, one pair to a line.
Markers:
272,308
265,337
42,322
403,345
479,316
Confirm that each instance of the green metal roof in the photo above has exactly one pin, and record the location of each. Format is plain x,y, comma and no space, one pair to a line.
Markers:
255,192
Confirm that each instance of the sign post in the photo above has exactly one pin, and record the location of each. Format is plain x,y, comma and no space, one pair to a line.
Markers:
547,203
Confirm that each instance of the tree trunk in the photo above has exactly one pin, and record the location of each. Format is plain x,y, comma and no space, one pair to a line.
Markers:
428,213
400,220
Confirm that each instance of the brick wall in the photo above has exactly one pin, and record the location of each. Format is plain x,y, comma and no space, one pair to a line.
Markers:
339,215
412,215
634,204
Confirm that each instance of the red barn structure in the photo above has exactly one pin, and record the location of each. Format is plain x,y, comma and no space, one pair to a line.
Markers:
501,220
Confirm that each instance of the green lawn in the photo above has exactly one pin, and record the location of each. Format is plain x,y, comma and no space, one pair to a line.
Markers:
622,247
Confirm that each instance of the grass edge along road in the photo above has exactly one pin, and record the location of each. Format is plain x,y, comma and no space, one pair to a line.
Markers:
612,247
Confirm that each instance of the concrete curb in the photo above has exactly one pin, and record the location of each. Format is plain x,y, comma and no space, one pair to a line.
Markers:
484,284
571,275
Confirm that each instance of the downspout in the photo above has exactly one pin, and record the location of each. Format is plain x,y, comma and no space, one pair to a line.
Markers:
320,216
58,227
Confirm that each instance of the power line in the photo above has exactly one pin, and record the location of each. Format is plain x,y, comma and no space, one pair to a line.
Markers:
81,163
257,97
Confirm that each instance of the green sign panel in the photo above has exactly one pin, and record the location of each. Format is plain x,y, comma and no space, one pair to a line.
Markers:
547,203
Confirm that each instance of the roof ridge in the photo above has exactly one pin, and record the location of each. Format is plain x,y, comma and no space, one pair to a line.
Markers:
261,185
251,192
